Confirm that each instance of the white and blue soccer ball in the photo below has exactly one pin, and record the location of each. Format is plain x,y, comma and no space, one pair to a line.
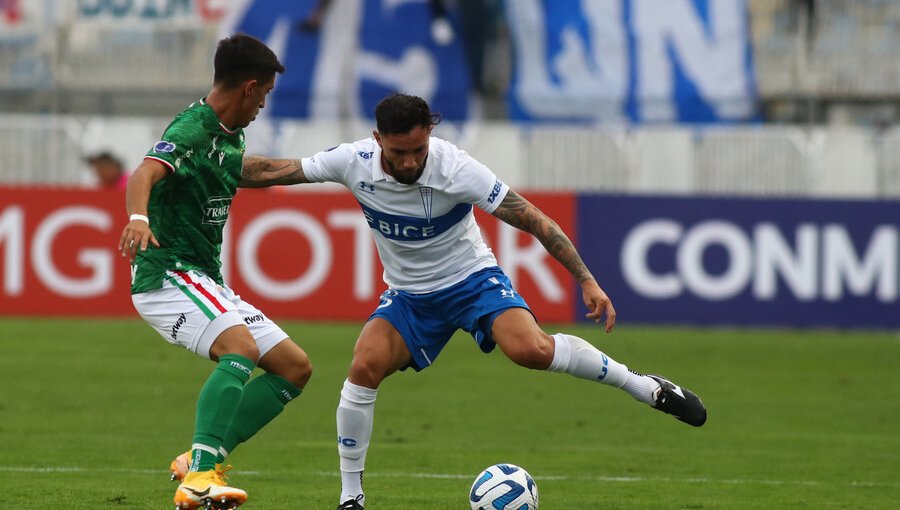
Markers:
504,487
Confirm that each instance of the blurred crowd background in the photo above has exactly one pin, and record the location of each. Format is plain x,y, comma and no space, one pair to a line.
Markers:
793,97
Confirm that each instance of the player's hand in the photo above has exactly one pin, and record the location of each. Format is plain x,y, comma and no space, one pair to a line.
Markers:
598,303
136,235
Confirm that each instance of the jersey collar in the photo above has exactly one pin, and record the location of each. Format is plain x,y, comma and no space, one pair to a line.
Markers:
378,173
224,128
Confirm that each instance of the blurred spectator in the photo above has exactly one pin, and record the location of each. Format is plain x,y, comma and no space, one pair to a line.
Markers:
482,30
313,22
480,24
441,29
12,11
108,169
804,10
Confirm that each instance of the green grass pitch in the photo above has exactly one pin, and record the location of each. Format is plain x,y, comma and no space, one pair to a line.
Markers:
93,410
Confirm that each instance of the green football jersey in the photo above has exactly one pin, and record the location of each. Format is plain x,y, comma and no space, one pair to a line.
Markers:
188,208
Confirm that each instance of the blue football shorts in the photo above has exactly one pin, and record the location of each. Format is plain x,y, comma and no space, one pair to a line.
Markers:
427,321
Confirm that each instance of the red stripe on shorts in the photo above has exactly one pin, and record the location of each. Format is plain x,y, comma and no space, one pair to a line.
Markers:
187,279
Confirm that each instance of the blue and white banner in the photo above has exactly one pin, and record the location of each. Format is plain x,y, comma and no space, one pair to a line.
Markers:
631,61
361,52
753,262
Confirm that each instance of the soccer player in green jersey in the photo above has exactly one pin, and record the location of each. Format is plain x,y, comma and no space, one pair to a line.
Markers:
178,201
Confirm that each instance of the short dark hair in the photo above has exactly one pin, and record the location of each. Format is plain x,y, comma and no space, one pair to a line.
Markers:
242,57
400,113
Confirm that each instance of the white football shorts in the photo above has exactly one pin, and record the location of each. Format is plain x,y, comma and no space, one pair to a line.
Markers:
192,310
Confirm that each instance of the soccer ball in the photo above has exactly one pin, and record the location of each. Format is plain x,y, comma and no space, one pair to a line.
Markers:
504,487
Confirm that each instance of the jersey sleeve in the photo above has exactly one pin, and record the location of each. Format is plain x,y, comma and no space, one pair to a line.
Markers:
475,183
177,147
329,165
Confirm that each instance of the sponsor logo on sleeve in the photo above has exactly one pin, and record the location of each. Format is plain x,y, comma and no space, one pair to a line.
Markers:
498,185
163,146
186,155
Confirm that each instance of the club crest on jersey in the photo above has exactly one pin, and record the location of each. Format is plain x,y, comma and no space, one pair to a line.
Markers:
163,146
426,192
215,147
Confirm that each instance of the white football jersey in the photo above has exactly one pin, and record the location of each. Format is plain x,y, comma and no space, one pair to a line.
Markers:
425,232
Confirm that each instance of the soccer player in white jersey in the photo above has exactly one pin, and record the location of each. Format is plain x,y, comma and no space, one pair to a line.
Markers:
417,193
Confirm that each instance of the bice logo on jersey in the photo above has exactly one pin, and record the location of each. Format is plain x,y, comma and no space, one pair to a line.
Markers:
215,211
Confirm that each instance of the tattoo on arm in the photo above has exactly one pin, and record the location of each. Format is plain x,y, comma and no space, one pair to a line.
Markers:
259,172
520,213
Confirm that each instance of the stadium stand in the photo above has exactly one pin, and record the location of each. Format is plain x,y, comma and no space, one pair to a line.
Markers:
827,71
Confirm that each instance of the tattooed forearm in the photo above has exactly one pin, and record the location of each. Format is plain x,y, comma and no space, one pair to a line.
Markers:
512,208
259,172
520,213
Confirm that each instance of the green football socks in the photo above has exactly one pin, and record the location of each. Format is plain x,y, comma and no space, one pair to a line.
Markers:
264,398
217,405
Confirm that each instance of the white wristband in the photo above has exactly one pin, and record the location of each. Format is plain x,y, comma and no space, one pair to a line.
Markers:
139,217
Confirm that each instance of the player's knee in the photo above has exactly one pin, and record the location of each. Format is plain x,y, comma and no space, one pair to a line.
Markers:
300,371
235,340
364,372
248,350
533,351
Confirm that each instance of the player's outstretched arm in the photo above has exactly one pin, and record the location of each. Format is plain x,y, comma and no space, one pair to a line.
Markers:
137,234
522,214
260,172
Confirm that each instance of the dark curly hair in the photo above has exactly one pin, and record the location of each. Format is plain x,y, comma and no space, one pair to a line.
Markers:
400,113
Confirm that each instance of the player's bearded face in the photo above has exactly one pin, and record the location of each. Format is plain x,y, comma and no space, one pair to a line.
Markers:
403,155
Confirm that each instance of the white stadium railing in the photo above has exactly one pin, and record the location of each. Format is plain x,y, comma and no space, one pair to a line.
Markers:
889,163
727,160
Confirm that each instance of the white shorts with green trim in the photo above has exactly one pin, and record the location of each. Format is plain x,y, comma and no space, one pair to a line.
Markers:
192,310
